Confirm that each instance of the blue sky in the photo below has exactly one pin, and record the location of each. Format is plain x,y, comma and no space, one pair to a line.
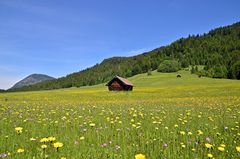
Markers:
58,37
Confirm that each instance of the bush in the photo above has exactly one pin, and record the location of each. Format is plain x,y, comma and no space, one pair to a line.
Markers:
149,73
168,66
219,72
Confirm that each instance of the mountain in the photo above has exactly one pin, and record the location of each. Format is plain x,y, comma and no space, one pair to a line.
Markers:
32,79
218,50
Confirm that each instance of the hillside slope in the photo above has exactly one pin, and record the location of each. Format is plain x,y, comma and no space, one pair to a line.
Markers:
218,50
169,80
149,88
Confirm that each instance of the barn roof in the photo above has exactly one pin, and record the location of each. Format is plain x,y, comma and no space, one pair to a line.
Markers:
123,80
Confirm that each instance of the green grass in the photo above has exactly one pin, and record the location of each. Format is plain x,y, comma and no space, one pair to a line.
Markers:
151,120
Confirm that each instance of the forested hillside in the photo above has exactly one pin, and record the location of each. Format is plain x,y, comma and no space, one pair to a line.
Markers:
218,50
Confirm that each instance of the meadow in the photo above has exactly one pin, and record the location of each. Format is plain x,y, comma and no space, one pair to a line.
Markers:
164,117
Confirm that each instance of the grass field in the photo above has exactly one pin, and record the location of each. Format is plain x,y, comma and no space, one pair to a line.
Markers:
163,118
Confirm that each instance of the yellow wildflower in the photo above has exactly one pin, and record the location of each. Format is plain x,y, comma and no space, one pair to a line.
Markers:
140,156
44,139
222,145
221,148
58,145
19,130
238,148
20,150
92,124
182,132
199,132
51,139
209,146
209,155
82,138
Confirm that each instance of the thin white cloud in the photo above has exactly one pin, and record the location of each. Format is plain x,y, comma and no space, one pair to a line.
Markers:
137,51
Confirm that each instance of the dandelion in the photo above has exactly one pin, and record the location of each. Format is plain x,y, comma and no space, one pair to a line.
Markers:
238,148
63,158
182,132
18,130
222,145
134,125
20,150
44,140
209,146
57,145
140,156
199,132
51,139
221,149
92,124
209,155
82,138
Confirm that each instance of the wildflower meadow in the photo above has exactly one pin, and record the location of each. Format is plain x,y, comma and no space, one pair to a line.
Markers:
162,118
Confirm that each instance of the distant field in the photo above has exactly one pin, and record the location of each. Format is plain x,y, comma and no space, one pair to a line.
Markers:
163,117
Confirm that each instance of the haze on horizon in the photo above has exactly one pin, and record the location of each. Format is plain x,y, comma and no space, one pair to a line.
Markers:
59,37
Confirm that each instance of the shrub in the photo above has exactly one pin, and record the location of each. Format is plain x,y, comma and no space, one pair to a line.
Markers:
219,72
168,66
149,73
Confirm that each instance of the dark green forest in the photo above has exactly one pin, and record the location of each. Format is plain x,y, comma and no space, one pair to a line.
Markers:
218,50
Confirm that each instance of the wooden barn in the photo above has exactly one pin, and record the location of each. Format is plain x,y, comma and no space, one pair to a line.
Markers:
119,84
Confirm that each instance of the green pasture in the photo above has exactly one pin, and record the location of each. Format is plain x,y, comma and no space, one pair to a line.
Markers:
164,117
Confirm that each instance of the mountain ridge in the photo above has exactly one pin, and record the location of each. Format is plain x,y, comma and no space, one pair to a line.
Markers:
32,79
